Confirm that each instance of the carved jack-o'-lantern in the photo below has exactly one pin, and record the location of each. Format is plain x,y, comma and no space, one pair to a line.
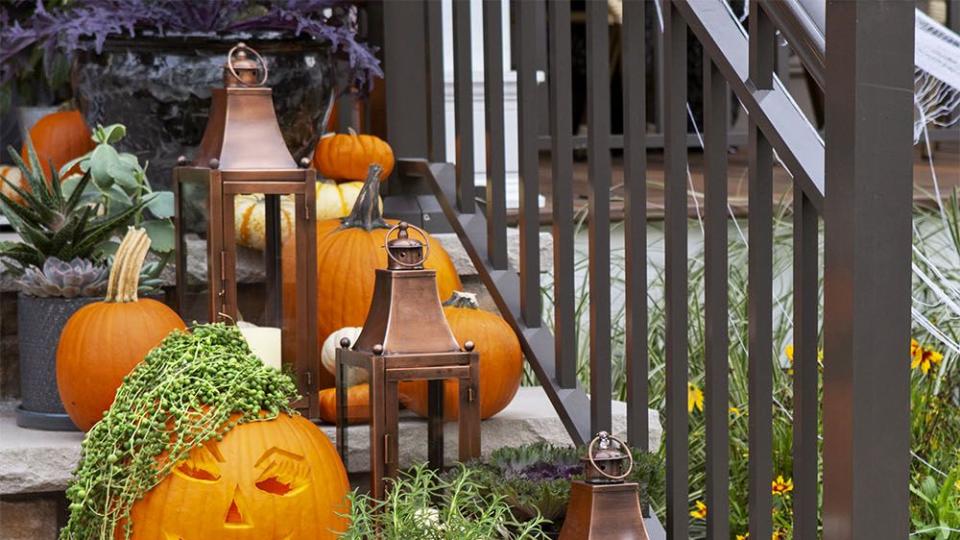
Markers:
274,480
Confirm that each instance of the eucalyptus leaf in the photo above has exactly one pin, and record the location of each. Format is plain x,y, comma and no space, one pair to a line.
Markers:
102,159
112,133
124,174
161,234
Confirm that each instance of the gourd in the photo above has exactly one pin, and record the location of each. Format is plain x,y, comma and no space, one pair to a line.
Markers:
269,480
347,156
103,341
349,251
58,138
501,362
11,174
333,201
328,354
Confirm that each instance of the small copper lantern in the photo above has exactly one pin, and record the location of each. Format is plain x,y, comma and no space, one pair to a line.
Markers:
406,338
602,505
243,152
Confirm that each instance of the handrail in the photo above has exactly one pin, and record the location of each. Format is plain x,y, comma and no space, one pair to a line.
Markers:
794,139
801,33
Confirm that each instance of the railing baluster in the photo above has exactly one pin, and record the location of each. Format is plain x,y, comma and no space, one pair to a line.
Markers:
805,371
529,166
760,287
598,157
675,229
561,159
715,105
867,216
635,211
493,101
463,104
436,131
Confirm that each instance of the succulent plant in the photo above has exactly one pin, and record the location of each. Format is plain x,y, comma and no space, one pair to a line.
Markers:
79,277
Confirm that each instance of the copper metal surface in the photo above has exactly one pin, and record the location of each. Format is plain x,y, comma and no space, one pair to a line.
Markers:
243,151
406,337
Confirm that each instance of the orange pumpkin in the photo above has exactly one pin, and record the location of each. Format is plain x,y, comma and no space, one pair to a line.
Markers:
273,480
102,342
345,157
58,138
358,404
349,251
501,362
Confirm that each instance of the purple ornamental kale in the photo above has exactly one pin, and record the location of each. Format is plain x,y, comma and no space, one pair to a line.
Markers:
86,24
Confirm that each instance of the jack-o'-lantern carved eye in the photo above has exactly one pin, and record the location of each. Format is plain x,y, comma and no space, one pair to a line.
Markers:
282,472
202,464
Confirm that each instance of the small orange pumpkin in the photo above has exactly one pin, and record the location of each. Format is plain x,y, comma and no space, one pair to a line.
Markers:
501,362
272,480
345,157
358,404
349,251
102,342
58,138
14,176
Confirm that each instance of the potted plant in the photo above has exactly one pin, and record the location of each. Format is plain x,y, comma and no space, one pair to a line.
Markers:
67,234
152,63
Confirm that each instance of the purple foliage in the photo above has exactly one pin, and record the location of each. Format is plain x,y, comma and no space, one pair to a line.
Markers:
550,471
86,24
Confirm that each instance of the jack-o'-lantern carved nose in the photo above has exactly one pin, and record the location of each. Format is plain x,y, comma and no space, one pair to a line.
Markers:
236,512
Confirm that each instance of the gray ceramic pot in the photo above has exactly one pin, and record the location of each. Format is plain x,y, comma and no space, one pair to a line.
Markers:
40,321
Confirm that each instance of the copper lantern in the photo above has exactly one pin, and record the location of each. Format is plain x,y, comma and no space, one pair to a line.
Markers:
602,505
406,338
242,153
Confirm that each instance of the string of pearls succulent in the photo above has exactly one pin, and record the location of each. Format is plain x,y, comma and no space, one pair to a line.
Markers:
194,387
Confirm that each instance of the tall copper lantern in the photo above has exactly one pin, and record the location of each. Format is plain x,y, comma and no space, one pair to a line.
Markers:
406,338
242,152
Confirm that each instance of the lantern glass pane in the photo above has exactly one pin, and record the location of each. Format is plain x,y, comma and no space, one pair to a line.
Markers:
194,218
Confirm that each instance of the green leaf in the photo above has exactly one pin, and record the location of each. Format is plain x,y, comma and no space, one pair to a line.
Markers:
124,174
161,234
82,160
102,160
113,133
161,204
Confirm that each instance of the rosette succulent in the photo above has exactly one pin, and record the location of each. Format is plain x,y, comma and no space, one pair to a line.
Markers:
78,277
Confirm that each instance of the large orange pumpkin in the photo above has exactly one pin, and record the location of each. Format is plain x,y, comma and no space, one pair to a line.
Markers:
279,479
102,342
58,138
349,251
501,362
345,157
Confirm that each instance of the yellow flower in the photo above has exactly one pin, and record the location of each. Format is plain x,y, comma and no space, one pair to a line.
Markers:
779,534
788,351
781,486
700,512
694,398
743,536
735,411
923,358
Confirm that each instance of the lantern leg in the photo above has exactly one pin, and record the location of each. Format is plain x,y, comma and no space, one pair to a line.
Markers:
392,429
377,428
228,261
340,374
470,413
435,423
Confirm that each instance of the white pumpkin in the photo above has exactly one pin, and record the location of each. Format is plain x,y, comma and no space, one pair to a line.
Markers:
328,354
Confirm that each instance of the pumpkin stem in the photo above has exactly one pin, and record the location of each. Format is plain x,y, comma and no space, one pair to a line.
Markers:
125,272
462,299
366,213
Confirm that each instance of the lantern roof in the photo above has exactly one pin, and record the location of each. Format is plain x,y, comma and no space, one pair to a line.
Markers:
243,132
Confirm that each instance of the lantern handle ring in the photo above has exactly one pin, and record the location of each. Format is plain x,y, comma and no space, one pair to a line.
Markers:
259,59
603,435
402,226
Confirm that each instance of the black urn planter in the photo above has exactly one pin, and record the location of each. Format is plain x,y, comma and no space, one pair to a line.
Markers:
40,321
159,87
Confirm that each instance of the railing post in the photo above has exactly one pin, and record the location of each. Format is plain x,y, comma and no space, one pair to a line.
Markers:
463,104
869,118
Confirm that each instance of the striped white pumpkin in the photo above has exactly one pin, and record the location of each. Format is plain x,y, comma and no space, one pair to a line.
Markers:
333,201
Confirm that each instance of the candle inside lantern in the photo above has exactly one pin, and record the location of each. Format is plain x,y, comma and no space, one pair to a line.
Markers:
264,341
